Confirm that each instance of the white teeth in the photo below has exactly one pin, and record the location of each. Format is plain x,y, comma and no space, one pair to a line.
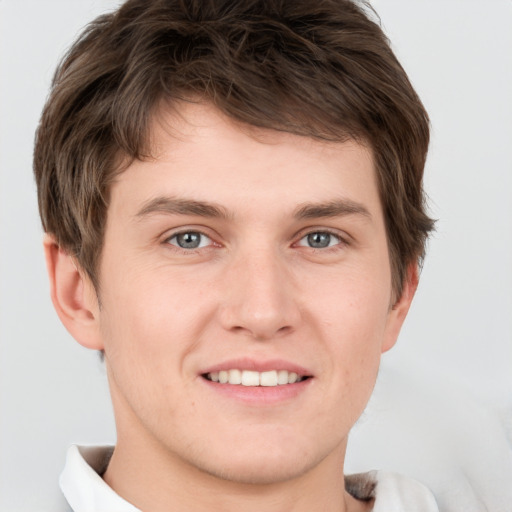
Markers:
268,378
251,378
235,377
282,377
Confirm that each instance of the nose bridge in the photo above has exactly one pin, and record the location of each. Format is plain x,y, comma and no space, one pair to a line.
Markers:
260,300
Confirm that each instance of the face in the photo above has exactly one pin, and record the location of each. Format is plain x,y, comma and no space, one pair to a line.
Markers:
256,258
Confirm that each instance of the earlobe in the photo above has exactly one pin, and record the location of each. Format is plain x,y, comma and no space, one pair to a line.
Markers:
73,296
398,312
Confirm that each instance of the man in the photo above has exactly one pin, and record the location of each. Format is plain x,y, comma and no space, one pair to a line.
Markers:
232,196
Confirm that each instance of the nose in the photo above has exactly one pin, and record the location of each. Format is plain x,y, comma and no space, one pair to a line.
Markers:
259,297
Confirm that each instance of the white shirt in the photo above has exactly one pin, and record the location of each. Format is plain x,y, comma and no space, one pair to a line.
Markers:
86,491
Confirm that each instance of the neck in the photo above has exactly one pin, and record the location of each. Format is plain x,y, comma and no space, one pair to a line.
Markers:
157,481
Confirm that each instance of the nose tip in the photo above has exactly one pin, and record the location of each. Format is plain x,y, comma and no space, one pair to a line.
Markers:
262,329
260,301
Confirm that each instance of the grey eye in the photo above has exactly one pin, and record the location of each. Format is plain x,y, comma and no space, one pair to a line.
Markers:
319,240
190,240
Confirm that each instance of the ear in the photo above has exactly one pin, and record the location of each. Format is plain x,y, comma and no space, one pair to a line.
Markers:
73,296
399,310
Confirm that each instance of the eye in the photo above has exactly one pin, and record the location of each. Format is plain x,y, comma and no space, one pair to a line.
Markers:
320,240
190,240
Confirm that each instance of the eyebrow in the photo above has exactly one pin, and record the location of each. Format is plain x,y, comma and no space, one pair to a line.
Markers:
335,208
181,206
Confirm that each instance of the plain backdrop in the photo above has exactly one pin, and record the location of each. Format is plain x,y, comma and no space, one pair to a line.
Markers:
454,357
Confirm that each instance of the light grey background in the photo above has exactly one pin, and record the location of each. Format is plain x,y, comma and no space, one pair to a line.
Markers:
454,357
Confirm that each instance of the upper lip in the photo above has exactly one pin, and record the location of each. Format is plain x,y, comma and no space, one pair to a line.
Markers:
258,366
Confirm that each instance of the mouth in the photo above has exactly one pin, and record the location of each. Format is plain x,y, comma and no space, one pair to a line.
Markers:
251,378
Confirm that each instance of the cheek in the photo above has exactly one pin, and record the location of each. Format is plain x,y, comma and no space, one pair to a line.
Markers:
144,347
351,320
151,320
354,306
150,306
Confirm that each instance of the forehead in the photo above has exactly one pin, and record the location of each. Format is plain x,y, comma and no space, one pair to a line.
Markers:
199,153
196,121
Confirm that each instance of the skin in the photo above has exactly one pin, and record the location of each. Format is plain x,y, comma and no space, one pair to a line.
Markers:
254,288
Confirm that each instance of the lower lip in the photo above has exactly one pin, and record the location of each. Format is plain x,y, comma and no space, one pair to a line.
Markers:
260,395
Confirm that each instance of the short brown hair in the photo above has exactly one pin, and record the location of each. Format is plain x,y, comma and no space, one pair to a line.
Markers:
322,69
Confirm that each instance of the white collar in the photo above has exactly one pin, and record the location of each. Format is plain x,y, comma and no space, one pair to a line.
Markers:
86,491
412,496
82,485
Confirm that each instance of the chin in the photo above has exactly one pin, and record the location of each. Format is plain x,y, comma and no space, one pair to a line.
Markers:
251,463
260,472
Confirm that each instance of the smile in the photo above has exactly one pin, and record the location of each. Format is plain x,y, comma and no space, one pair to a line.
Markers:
254,378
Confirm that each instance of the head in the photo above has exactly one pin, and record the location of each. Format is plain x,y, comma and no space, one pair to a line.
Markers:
157,114
324,71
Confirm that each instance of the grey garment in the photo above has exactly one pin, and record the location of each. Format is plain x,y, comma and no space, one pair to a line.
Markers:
361,486
98,457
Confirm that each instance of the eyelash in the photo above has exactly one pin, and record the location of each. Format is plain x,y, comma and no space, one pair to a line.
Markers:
342,242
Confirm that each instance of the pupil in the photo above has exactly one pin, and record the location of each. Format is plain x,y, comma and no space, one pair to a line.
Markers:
319,240
189,240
